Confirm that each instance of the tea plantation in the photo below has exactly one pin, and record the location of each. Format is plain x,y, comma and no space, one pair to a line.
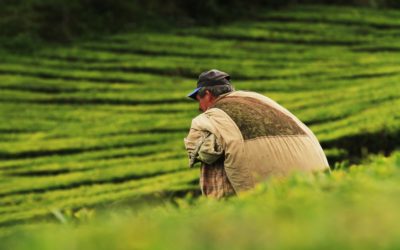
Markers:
348,209
100,124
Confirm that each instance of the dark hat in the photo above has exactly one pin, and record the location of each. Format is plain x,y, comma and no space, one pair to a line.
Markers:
210,78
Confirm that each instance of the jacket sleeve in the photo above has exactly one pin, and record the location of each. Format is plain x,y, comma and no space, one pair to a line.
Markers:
201,143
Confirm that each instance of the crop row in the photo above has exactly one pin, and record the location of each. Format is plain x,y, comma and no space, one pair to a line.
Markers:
104,120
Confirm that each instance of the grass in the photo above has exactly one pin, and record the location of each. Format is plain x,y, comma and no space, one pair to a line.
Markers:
103,121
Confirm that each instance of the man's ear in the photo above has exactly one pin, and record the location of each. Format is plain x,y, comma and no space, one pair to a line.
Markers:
208,93
211,97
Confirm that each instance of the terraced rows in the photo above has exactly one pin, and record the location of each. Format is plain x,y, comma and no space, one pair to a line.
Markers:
104,120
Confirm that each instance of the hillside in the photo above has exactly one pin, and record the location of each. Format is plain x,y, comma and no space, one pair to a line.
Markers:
101,122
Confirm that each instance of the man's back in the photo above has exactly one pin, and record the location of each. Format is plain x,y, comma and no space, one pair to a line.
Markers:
260,138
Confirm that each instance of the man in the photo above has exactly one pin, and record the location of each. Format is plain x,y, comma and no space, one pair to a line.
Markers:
242,138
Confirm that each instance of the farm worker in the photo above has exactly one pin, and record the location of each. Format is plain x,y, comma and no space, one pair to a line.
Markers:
242,138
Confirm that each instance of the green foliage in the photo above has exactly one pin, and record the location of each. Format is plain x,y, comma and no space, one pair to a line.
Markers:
24,25
355,209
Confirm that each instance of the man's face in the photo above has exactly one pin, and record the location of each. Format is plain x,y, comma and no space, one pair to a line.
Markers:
206,101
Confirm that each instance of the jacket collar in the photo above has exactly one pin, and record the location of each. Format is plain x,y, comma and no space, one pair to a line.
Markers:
222,96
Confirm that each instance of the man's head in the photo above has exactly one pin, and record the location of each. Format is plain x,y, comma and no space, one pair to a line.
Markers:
210,85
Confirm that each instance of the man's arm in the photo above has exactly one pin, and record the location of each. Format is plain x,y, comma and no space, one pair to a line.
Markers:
201,143
202,146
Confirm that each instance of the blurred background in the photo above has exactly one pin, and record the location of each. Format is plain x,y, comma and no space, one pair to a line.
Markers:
23,24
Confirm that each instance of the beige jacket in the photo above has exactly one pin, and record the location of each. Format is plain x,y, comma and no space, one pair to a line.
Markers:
258,137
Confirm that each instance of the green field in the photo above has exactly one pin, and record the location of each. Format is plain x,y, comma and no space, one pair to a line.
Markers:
102,123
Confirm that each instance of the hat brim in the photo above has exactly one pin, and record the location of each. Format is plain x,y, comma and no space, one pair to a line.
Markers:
193,94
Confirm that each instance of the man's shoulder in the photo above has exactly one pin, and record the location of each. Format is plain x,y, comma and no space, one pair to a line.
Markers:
249,94
199,118
204,118
206,121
